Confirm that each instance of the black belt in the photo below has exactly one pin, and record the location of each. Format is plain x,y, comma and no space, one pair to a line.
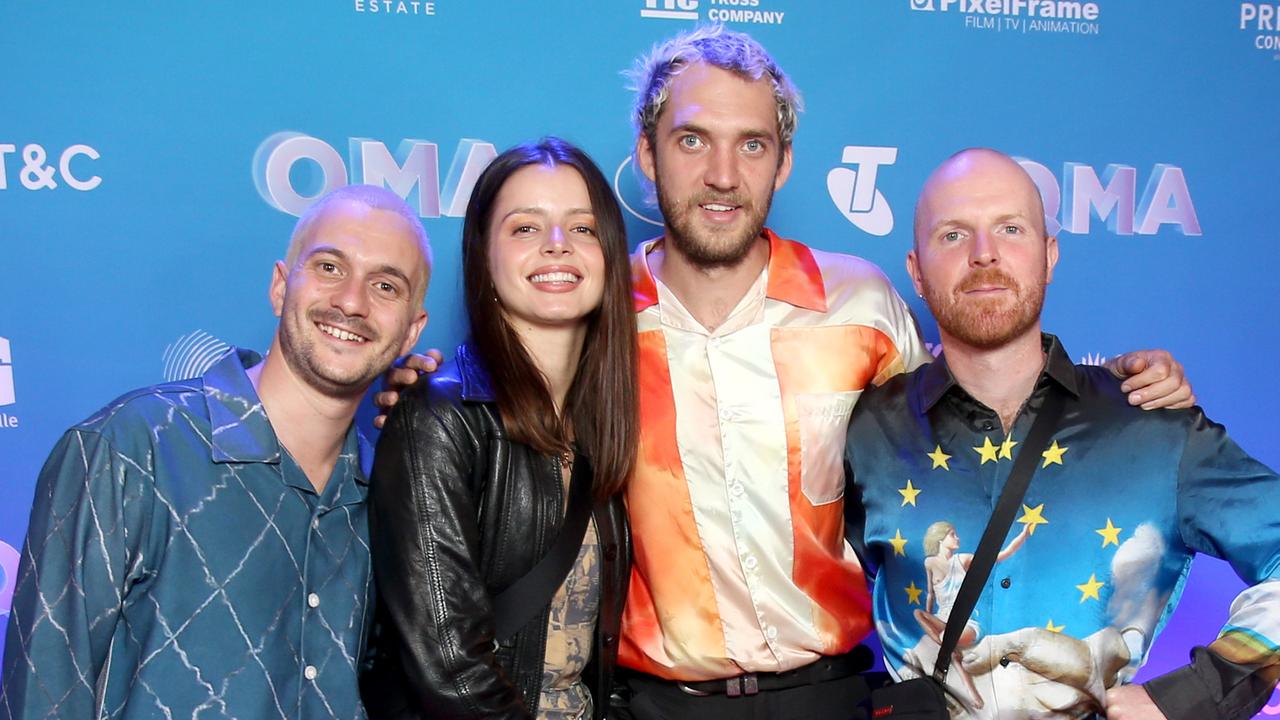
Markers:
833,667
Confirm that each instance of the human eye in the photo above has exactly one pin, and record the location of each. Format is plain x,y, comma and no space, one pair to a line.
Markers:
327,267
690,141
1011,229
951,236
754,146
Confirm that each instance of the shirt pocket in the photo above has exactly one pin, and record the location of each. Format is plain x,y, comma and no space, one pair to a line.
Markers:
824,421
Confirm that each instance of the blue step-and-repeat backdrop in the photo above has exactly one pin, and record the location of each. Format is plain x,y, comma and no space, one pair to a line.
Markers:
154,155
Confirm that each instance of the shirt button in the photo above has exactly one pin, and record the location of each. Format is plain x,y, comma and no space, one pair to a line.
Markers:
313,600
725,413
771,632
750,562
1005,583
988,425
309,672
315,523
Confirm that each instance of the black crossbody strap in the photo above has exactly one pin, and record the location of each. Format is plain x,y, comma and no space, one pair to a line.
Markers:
516,605
1024,466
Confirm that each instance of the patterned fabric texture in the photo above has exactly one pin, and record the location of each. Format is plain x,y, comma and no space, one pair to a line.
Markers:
570,629
179,564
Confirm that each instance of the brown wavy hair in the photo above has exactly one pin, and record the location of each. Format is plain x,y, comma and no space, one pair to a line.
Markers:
600,411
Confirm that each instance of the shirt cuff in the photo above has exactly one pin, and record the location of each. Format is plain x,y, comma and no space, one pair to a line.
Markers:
1210,688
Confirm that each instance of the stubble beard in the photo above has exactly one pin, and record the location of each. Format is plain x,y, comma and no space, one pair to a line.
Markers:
703,247
982,323
301,355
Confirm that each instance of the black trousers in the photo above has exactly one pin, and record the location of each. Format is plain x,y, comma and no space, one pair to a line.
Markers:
842,699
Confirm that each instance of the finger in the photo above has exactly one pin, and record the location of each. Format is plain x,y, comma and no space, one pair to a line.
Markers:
1174,399
1151,374
400,378
414,361
379,421
436,355
386,399
1127,365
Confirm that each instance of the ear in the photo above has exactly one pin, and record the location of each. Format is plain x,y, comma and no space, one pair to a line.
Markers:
1050,257
784,168
412,332
279,279
913,269
644,157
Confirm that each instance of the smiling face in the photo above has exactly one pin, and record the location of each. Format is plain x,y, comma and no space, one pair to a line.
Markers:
544,256
350,302
715,160
981,258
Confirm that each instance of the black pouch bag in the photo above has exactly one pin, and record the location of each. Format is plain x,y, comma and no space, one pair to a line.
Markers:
925,698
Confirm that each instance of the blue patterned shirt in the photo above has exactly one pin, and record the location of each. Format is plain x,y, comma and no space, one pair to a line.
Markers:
180,564
1095,561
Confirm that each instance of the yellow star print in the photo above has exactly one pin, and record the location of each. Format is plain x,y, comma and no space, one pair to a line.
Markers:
1053,628
987,451
1053,456
1090,589
1006,448
939,459
1110,534
909,494
899,544
913,593
1031,517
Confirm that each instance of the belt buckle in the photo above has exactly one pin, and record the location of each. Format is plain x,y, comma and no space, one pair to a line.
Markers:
684,688
745,684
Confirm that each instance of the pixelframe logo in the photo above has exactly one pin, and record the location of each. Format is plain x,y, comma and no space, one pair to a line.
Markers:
853,189
1072,17
922,5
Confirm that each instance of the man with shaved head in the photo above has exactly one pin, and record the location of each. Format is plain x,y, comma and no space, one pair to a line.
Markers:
1119,503
200,548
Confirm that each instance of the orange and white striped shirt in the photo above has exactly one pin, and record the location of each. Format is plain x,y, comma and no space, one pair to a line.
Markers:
737,505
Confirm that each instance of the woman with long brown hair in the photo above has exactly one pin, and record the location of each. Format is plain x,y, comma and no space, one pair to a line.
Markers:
495,591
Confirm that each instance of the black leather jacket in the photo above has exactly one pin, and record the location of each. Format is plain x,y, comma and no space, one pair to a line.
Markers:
457,513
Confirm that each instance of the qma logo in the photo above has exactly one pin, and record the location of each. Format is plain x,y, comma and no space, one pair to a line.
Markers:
35,174
191,355
7,394
853,189
1263,20
1083,195
670,9
290,170
396,7
8,575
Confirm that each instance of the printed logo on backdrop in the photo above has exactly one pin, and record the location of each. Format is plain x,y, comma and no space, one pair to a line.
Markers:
8,576
191,355
1272,708
852,187
635,195
1261,21
751,12
8,392
395,8
1071,17
290,170
36,168
1072,202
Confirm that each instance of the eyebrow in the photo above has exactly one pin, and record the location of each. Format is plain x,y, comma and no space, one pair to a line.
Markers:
748,133
543,212
391,270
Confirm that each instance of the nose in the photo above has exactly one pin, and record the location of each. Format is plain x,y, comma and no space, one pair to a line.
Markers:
722,172
556,242
351,297
983,251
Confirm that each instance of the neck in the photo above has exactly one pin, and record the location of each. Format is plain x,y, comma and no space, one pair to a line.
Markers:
310,425
555,351
1001,378
709,293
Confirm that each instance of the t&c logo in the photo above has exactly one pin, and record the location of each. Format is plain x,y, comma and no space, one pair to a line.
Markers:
854,190
39,172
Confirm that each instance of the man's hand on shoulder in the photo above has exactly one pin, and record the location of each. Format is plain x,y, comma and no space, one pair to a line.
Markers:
1153,380
403,373
1131,702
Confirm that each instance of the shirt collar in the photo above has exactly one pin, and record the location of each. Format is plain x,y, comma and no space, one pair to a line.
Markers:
241,431
936,378
794,276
